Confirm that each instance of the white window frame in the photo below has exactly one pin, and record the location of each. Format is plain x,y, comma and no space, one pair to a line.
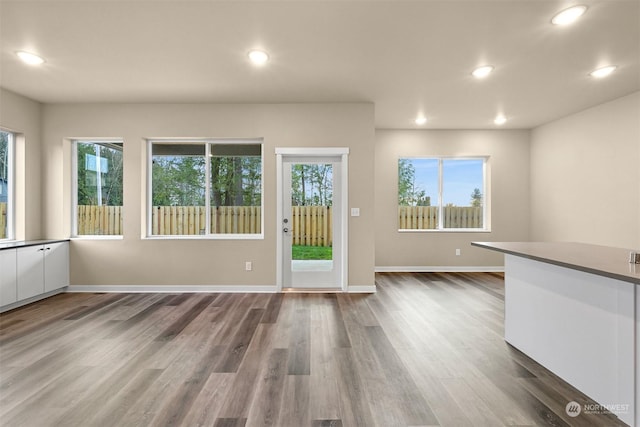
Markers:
486,220
207,142
74,189
11,186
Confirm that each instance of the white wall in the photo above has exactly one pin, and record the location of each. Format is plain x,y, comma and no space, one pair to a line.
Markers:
23,116
508,153
585,176
138,261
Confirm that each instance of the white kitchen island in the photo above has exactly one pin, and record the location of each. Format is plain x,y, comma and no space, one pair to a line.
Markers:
575,309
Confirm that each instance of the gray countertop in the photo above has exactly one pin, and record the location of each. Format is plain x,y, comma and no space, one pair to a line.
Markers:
601,260
25,243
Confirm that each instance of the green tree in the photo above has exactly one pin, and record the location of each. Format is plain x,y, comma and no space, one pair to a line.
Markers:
312,184
409,194
476,198
178,181
236,181
4,156
322,177
110,179
299,177
252,180
4,170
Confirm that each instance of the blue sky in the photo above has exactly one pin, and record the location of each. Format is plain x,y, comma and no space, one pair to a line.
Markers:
460,177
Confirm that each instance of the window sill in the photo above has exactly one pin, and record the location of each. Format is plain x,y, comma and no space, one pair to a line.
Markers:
447,230
97,237
208,237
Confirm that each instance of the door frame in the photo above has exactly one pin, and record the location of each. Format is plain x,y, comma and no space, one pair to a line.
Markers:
343,153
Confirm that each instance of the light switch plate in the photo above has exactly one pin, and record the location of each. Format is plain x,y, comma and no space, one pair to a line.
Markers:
355,211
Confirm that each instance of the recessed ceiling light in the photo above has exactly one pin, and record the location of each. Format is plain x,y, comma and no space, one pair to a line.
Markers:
29,58
603,72
258,57
500,120
482,72
569,16
420,120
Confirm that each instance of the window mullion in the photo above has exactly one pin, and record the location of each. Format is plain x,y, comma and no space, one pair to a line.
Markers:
440,198
10,184
484,194
74,188
207,189
149,188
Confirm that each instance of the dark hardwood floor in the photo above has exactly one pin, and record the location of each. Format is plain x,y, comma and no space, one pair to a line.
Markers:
426,350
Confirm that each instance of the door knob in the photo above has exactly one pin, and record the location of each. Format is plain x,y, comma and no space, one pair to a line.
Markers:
286,230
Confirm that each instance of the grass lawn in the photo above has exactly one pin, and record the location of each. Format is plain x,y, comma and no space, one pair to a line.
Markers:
311,252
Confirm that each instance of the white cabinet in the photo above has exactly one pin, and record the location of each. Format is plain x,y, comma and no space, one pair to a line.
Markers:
30,271
41,268
8,277
56,266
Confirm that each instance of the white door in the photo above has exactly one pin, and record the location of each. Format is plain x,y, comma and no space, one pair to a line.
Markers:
312,222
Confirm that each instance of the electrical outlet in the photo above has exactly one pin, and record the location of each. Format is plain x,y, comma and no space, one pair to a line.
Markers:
457,252
248,266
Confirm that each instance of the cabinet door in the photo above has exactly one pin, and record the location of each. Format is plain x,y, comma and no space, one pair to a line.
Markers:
56,266
30,271
8,276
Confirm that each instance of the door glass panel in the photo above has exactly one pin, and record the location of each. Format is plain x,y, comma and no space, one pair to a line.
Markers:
311,217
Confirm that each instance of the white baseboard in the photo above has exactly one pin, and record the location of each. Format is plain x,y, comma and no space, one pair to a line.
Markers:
440,269
173,289
30,300
362,289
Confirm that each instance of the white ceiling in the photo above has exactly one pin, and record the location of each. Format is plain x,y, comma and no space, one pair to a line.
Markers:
407,57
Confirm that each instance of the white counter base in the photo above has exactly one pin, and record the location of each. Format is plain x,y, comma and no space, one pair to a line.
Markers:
580,326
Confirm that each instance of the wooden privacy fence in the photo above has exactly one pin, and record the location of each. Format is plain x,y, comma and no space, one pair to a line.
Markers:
312,225
178,220
3,220
426,217
99,220
190,220
173,220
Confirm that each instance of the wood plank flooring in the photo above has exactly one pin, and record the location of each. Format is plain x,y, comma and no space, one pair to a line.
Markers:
425,350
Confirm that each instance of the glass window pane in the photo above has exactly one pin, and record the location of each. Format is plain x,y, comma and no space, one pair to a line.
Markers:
6,184
418,190
311,224
462,193
178,189
99,187
236,188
